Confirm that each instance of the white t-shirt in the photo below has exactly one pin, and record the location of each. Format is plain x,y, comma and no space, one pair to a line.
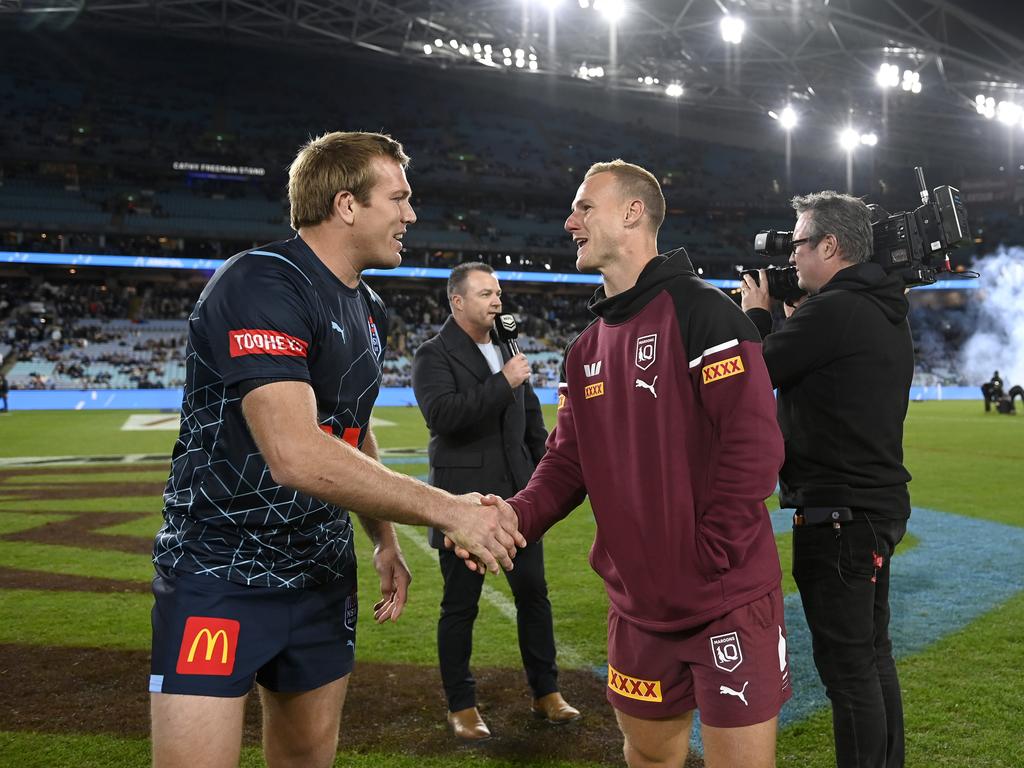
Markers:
492,355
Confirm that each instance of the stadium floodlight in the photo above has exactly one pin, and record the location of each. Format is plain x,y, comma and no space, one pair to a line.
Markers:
732,28
439,43
1008,113
427,49
454,43
849,139
888,76
869,139
788,118
675,90
648,80
986,106
911,81
507,62
488,49
612,10
533,66
506,52
477,48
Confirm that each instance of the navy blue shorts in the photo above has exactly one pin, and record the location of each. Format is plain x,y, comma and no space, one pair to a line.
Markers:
212,637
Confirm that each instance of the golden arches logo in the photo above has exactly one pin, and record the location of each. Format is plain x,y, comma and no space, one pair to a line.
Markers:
203,637
211,644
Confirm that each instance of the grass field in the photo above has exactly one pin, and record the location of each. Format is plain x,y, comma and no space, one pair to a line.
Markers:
964,692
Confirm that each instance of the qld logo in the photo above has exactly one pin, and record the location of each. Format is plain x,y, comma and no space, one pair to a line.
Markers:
726,651
646,351
374,337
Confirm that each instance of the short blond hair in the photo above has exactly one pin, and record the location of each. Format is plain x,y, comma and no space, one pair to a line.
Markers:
636,182
332,163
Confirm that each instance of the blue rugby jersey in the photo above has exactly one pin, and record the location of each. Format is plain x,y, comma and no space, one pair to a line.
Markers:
271,312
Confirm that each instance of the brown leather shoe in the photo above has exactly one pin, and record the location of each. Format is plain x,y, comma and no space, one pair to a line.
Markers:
468,725
554,709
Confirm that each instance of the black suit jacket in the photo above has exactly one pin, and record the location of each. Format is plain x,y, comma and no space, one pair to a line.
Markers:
484,435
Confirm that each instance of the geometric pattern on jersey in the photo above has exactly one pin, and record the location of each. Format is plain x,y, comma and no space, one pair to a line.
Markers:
224,515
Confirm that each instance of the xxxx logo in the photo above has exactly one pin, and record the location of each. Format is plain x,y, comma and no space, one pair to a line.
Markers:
593,390
722,370
632,687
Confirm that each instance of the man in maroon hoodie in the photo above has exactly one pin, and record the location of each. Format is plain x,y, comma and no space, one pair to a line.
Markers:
666,419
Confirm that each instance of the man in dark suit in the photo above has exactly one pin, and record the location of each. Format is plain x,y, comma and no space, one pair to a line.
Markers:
487,435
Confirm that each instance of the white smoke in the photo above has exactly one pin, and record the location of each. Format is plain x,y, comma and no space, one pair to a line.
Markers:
998,339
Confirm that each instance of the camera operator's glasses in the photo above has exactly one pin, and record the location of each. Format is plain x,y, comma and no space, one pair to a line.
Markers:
799,241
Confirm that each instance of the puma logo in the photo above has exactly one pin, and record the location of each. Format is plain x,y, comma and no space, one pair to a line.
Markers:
726,690
645,385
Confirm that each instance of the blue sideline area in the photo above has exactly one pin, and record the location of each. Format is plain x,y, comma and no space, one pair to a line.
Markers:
170,399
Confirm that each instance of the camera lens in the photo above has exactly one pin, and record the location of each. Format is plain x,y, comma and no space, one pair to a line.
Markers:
772,243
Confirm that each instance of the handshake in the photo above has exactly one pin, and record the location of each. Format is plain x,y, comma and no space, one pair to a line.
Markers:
484,532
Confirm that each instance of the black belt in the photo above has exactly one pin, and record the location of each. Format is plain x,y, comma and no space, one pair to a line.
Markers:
833,516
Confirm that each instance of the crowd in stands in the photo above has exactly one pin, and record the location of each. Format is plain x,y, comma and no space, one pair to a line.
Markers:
106,332
85,334
87,166
87,158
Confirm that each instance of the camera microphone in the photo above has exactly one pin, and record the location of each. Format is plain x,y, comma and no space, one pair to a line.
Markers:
507,330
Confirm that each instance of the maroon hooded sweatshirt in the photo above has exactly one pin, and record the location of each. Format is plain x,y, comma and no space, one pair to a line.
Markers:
666,419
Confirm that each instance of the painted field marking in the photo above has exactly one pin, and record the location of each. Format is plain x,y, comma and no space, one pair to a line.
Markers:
172,422
933,592
60,461
141,422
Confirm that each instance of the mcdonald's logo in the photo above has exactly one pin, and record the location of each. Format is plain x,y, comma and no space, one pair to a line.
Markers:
208,646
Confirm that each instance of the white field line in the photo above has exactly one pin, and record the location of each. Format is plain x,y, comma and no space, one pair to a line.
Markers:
59,461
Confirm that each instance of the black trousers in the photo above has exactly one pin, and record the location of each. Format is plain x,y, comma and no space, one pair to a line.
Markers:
843,577
459,608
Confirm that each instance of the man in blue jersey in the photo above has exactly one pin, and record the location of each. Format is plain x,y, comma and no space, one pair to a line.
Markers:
255,567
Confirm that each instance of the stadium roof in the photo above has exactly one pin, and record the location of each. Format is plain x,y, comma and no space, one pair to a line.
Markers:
820,56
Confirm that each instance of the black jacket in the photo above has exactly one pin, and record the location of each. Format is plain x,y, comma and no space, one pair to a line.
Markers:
484,436
843,365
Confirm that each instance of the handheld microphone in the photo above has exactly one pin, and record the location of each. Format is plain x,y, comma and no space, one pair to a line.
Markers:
507,329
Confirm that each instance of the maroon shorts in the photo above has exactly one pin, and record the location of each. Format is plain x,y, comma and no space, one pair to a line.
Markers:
734,670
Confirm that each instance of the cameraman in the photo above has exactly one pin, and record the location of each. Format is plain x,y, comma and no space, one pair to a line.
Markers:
843,364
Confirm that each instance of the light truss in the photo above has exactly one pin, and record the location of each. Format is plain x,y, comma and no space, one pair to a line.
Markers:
820,55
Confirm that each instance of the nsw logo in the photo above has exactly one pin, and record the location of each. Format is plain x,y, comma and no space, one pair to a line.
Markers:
726,651
351,611
375,343
646,351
